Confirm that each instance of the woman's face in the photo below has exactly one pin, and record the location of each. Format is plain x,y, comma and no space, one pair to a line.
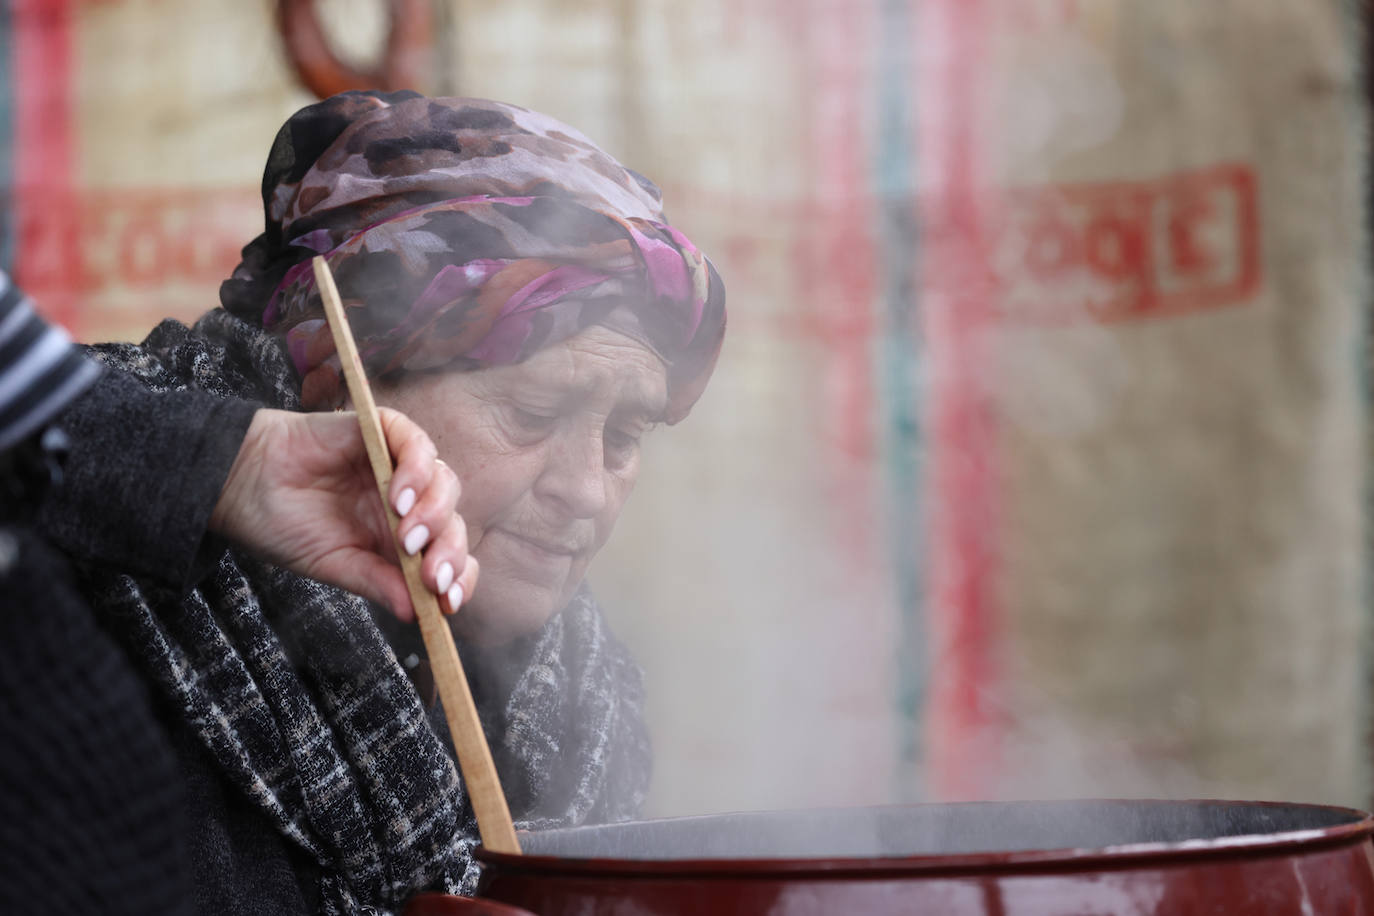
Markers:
547,452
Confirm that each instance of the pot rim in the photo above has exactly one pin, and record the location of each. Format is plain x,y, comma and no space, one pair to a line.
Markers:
1359,827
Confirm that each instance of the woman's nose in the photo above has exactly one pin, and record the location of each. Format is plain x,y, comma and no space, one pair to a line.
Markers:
575,474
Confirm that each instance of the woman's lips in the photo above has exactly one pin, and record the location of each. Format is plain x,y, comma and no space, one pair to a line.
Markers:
540,551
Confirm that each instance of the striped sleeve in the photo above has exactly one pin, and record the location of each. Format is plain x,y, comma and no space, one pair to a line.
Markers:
41,371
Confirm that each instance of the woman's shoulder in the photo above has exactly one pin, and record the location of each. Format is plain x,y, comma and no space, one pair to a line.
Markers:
221,354
148,360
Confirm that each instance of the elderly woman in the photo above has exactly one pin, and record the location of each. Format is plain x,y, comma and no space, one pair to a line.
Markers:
518,293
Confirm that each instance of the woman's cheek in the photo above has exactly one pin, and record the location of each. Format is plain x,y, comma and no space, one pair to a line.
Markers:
621,485
503,482
627,475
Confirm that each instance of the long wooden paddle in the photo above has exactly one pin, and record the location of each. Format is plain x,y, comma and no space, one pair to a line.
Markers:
474,757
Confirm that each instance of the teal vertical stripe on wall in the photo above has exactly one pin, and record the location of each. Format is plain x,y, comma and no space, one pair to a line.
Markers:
898,383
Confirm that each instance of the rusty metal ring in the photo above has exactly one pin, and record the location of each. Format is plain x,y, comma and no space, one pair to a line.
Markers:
404,64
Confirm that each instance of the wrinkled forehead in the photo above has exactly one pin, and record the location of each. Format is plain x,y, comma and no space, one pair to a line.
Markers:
598,367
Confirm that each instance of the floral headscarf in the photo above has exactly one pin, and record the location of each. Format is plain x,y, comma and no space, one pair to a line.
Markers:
467,233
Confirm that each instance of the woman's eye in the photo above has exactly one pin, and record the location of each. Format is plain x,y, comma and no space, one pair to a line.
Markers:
531,421
621,445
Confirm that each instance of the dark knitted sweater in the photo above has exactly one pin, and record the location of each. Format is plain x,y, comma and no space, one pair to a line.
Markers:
92,815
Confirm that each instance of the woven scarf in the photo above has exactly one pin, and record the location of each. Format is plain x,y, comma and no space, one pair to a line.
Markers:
466,233
300,700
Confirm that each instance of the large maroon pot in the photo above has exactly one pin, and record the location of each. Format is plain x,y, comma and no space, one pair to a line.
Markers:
1007,859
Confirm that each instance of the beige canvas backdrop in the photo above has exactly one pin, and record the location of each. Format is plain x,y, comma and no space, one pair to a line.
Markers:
1181,580
1184,512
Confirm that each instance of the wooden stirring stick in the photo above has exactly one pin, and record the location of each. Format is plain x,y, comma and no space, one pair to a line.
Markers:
474,757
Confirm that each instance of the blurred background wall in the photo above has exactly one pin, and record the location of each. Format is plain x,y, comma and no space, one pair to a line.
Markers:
1034,464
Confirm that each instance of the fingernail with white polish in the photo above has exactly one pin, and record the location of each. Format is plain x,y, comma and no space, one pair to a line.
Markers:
455,596
444,577
417,538
405,502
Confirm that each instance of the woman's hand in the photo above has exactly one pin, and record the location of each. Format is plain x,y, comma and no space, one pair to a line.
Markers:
301,493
